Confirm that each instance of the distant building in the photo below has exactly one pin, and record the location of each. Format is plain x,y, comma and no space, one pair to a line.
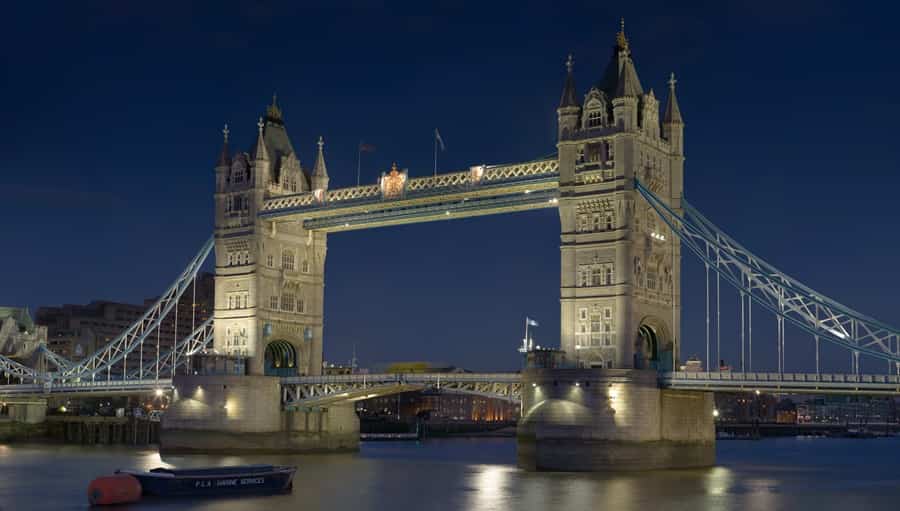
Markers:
421,367
19,335
77,331
439,407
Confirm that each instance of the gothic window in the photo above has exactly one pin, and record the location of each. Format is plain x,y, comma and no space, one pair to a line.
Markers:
595,119
651,279
230,302
583,222
610,220
273,302
228,204
238,203
300,305
596,221
582,314
287,303
597,276
608,275
305,266
270,261
287,260
607,313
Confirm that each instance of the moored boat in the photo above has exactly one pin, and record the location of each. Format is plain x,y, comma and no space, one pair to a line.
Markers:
211,481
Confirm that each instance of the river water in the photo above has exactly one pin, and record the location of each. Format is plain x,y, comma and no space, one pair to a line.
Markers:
481,474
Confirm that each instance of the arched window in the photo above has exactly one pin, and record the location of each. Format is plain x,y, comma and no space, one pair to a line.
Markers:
608,277
595,119
287,260
301,307
610,220
305,266
287,302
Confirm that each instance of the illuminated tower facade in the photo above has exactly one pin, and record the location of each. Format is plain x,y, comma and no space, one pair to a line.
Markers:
620,271
269,274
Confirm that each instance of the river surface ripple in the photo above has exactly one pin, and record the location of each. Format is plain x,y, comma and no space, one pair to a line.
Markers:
480,474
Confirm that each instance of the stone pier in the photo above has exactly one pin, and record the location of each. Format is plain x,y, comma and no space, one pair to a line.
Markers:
243,414
612,420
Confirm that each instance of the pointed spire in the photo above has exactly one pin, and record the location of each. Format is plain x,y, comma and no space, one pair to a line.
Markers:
673,113
568,96
261,152
273,112
629,83
224,156
320,170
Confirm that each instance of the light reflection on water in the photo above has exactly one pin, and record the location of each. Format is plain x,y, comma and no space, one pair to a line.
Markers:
481,475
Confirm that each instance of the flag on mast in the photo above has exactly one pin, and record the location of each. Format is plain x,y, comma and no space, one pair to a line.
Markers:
531,322
363,148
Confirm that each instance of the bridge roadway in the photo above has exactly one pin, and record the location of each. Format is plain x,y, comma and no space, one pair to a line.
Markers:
306,391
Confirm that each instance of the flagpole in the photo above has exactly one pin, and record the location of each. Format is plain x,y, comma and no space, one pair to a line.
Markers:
435,154
526,333
358,159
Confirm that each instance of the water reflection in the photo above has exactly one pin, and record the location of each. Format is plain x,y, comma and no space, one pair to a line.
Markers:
481,475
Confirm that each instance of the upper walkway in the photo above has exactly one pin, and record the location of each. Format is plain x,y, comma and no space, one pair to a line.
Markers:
398,199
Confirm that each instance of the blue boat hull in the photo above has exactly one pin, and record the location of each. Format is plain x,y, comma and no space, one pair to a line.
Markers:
203,483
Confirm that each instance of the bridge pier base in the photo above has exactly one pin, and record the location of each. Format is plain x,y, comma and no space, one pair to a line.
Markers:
28,411
611,419
243,414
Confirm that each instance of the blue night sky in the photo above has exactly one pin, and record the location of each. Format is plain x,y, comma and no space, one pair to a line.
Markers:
111,119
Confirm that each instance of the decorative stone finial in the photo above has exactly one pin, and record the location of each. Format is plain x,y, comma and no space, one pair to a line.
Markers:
273,112
570,63
321,142
621,40
225,132
672,81
260,124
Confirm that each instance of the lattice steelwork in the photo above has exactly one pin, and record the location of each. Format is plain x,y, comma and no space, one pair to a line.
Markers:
194,343
102,360
303,391
776,291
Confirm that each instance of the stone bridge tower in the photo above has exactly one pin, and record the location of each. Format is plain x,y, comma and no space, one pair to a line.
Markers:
620,275
269,275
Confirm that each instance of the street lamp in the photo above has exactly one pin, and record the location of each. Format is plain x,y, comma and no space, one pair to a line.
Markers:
158,392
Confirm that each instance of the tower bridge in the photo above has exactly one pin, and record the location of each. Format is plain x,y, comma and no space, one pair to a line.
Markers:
614,400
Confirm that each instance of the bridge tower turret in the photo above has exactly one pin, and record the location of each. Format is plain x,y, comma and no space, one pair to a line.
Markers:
269,275
620,265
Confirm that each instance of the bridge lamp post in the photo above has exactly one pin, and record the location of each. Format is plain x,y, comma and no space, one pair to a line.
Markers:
715,413
158,392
